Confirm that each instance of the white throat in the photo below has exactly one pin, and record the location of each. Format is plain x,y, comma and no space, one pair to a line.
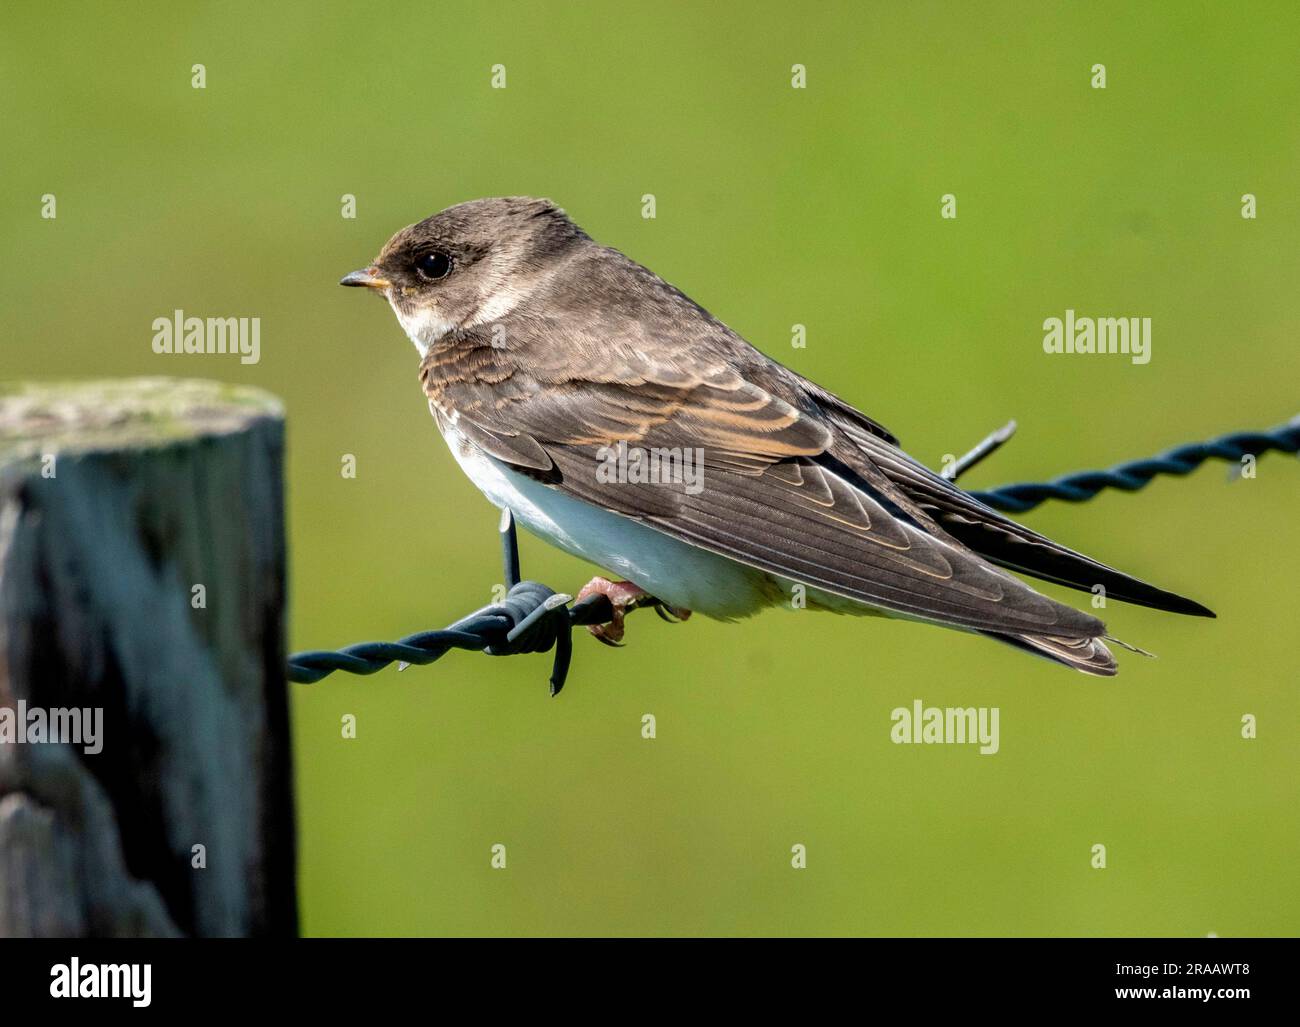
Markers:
424,326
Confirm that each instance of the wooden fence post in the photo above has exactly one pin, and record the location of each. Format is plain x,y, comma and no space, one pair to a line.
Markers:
142,589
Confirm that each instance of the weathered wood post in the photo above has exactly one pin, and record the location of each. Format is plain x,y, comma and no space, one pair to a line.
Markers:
142,589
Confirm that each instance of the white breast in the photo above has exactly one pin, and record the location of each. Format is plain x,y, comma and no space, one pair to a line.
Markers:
679,574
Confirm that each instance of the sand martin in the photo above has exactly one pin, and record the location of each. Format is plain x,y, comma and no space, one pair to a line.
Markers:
543,353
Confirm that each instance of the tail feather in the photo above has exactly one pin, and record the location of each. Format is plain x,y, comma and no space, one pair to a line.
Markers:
1088,655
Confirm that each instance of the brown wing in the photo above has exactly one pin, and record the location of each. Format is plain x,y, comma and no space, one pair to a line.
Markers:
777,493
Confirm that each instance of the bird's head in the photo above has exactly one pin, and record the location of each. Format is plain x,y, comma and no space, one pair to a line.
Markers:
468,265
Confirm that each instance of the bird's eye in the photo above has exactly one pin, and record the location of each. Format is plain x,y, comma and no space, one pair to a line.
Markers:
433,266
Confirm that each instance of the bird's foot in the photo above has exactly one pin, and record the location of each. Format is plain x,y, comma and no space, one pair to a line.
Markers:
624,597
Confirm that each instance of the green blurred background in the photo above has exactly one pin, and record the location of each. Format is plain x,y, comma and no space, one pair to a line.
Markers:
775,206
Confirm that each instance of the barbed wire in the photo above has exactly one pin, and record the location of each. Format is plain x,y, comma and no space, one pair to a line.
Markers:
533,618
1136,474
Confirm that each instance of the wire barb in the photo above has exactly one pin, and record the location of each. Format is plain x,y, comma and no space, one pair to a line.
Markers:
990,445
535,619
509,547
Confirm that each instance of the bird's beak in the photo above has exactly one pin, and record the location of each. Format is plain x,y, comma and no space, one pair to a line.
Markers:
367,278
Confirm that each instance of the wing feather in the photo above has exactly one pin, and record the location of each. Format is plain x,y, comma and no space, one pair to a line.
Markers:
773,497
1001,540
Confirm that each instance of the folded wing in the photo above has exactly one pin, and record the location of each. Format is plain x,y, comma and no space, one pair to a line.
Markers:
778,492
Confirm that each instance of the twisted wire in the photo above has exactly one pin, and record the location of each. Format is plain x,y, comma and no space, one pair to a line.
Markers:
1137,474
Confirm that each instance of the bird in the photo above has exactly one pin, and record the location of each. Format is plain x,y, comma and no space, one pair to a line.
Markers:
553,364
